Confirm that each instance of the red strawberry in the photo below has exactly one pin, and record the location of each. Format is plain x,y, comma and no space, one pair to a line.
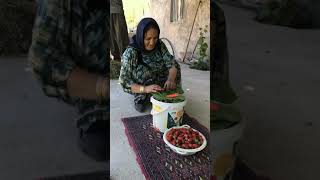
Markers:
195,146
173,142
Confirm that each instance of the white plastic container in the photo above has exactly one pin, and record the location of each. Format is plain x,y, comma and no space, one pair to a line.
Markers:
166,115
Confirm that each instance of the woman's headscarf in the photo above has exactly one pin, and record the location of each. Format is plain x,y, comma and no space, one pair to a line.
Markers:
138,38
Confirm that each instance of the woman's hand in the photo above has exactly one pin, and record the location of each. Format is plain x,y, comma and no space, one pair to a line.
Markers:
83,84
152,88
170,84
171,81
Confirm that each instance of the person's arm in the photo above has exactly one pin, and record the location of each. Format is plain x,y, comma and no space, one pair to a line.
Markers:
86,85
129,57
138,88
173,67
127,82
171,80
50,61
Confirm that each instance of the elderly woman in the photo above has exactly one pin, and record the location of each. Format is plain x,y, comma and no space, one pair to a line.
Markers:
147,65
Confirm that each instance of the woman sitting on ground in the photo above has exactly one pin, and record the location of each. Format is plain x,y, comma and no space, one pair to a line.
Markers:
147,65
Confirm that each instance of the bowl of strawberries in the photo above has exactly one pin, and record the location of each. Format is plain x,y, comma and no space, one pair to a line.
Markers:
184,140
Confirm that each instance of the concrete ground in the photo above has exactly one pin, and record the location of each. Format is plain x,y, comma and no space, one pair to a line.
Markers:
37,134
275,71
123,159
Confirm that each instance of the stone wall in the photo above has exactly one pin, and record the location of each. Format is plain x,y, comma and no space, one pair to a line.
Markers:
178,32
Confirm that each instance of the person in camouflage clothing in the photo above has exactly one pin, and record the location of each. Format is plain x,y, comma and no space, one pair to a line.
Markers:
147,65
69,57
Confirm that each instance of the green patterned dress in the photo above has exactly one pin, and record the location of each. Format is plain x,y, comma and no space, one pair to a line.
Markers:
146,69
67,34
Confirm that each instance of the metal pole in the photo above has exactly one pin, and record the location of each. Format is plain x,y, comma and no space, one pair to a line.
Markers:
184,57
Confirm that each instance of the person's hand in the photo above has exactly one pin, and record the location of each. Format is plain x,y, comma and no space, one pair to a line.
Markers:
152,88
170,84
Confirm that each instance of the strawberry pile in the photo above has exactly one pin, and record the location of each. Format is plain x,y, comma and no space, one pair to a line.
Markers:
185,138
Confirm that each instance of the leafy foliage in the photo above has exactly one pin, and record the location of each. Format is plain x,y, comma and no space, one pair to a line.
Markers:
162,96
202,63
115,67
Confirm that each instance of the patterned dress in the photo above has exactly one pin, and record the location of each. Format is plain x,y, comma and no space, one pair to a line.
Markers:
67,34
146,69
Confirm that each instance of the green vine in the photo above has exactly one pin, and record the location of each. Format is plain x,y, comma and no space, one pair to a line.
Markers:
202,46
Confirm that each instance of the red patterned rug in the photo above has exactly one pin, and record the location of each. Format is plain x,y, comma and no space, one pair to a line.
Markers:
157,161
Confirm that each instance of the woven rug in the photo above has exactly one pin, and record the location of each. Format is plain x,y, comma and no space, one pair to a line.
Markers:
157,161
98,175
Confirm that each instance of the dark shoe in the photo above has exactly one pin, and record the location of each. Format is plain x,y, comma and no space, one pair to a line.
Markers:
140,107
